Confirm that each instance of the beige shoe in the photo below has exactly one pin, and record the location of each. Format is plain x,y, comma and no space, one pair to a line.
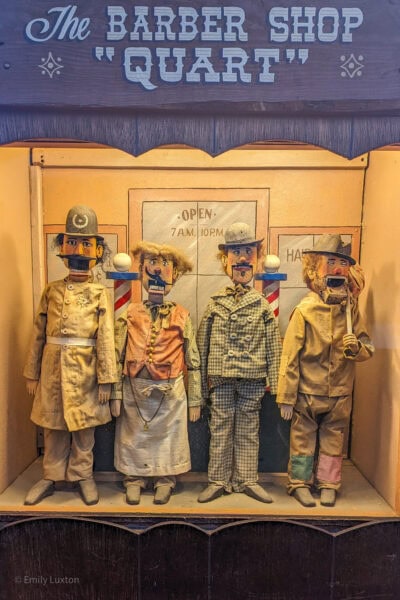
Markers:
257,492
162,494
211,492
41,489
133,493
328,497
303,495
89,491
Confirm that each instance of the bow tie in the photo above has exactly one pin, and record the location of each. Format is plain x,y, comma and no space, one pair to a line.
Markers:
237,291
160,313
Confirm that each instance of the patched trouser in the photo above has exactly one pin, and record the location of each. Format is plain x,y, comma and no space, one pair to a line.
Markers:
325,417
68,455
234,427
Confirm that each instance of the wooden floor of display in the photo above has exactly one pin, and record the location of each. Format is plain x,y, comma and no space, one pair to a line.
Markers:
356,500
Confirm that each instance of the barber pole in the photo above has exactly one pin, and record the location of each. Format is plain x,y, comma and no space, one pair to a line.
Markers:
271,281
122,282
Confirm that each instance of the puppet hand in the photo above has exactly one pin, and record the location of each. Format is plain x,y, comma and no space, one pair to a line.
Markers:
104,392
115,407
286,411
350,343
194,413
31,386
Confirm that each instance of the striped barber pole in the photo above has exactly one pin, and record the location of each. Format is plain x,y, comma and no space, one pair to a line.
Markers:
122,296
272,281
122,283
271,293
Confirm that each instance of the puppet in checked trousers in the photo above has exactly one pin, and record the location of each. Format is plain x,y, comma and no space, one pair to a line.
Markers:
155,345
71,361
324,339
240,346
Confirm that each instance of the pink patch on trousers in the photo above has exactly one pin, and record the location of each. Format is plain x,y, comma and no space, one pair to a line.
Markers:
329,468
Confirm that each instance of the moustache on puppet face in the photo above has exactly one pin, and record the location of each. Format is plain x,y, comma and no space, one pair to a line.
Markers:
77,262
245,266
156,279
242,268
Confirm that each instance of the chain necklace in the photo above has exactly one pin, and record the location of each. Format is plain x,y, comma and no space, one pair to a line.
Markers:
146,422
158,314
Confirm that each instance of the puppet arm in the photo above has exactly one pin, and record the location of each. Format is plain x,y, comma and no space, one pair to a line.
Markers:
104,392
115,407
289,369
357,346
203,343
273,350
192,362
194,413
31,386
286,411
38,340
120,334
350,345
105,346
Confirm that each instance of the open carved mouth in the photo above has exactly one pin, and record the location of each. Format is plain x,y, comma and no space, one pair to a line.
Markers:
335,281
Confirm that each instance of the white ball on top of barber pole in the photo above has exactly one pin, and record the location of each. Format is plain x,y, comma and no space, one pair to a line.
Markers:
271,263
122,262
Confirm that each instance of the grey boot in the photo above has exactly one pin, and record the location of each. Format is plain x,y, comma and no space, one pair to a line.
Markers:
162,494
133,492
211,492
41,489
303,495
328,497
89,491
257,492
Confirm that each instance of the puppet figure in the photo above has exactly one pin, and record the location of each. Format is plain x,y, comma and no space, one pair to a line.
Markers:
239,345
71,361
155,344
324,339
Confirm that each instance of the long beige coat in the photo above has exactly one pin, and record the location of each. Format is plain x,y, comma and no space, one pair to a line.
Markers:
67,394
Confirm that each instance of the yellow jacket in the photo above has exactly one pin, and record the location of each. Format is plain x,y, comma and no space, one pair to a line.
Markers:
67,394
312,359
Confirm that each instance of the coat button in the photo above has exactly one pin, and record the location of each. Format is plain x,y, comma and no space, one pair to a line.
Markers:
234,317
65,316
245,354
70,286
233,336
67,301
250,319
64,331
231,353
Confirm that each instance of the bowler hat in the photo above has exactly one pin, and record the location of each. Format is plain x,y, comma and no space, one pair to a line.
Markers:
239,234
332,243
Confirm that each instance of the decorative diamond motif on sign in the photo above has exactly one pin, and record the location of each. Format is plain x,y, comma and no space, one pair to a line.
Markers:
50,65
351,66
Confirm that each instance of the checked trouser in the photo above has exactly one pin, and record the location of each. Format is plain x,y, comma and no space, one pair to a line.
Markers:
234,427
